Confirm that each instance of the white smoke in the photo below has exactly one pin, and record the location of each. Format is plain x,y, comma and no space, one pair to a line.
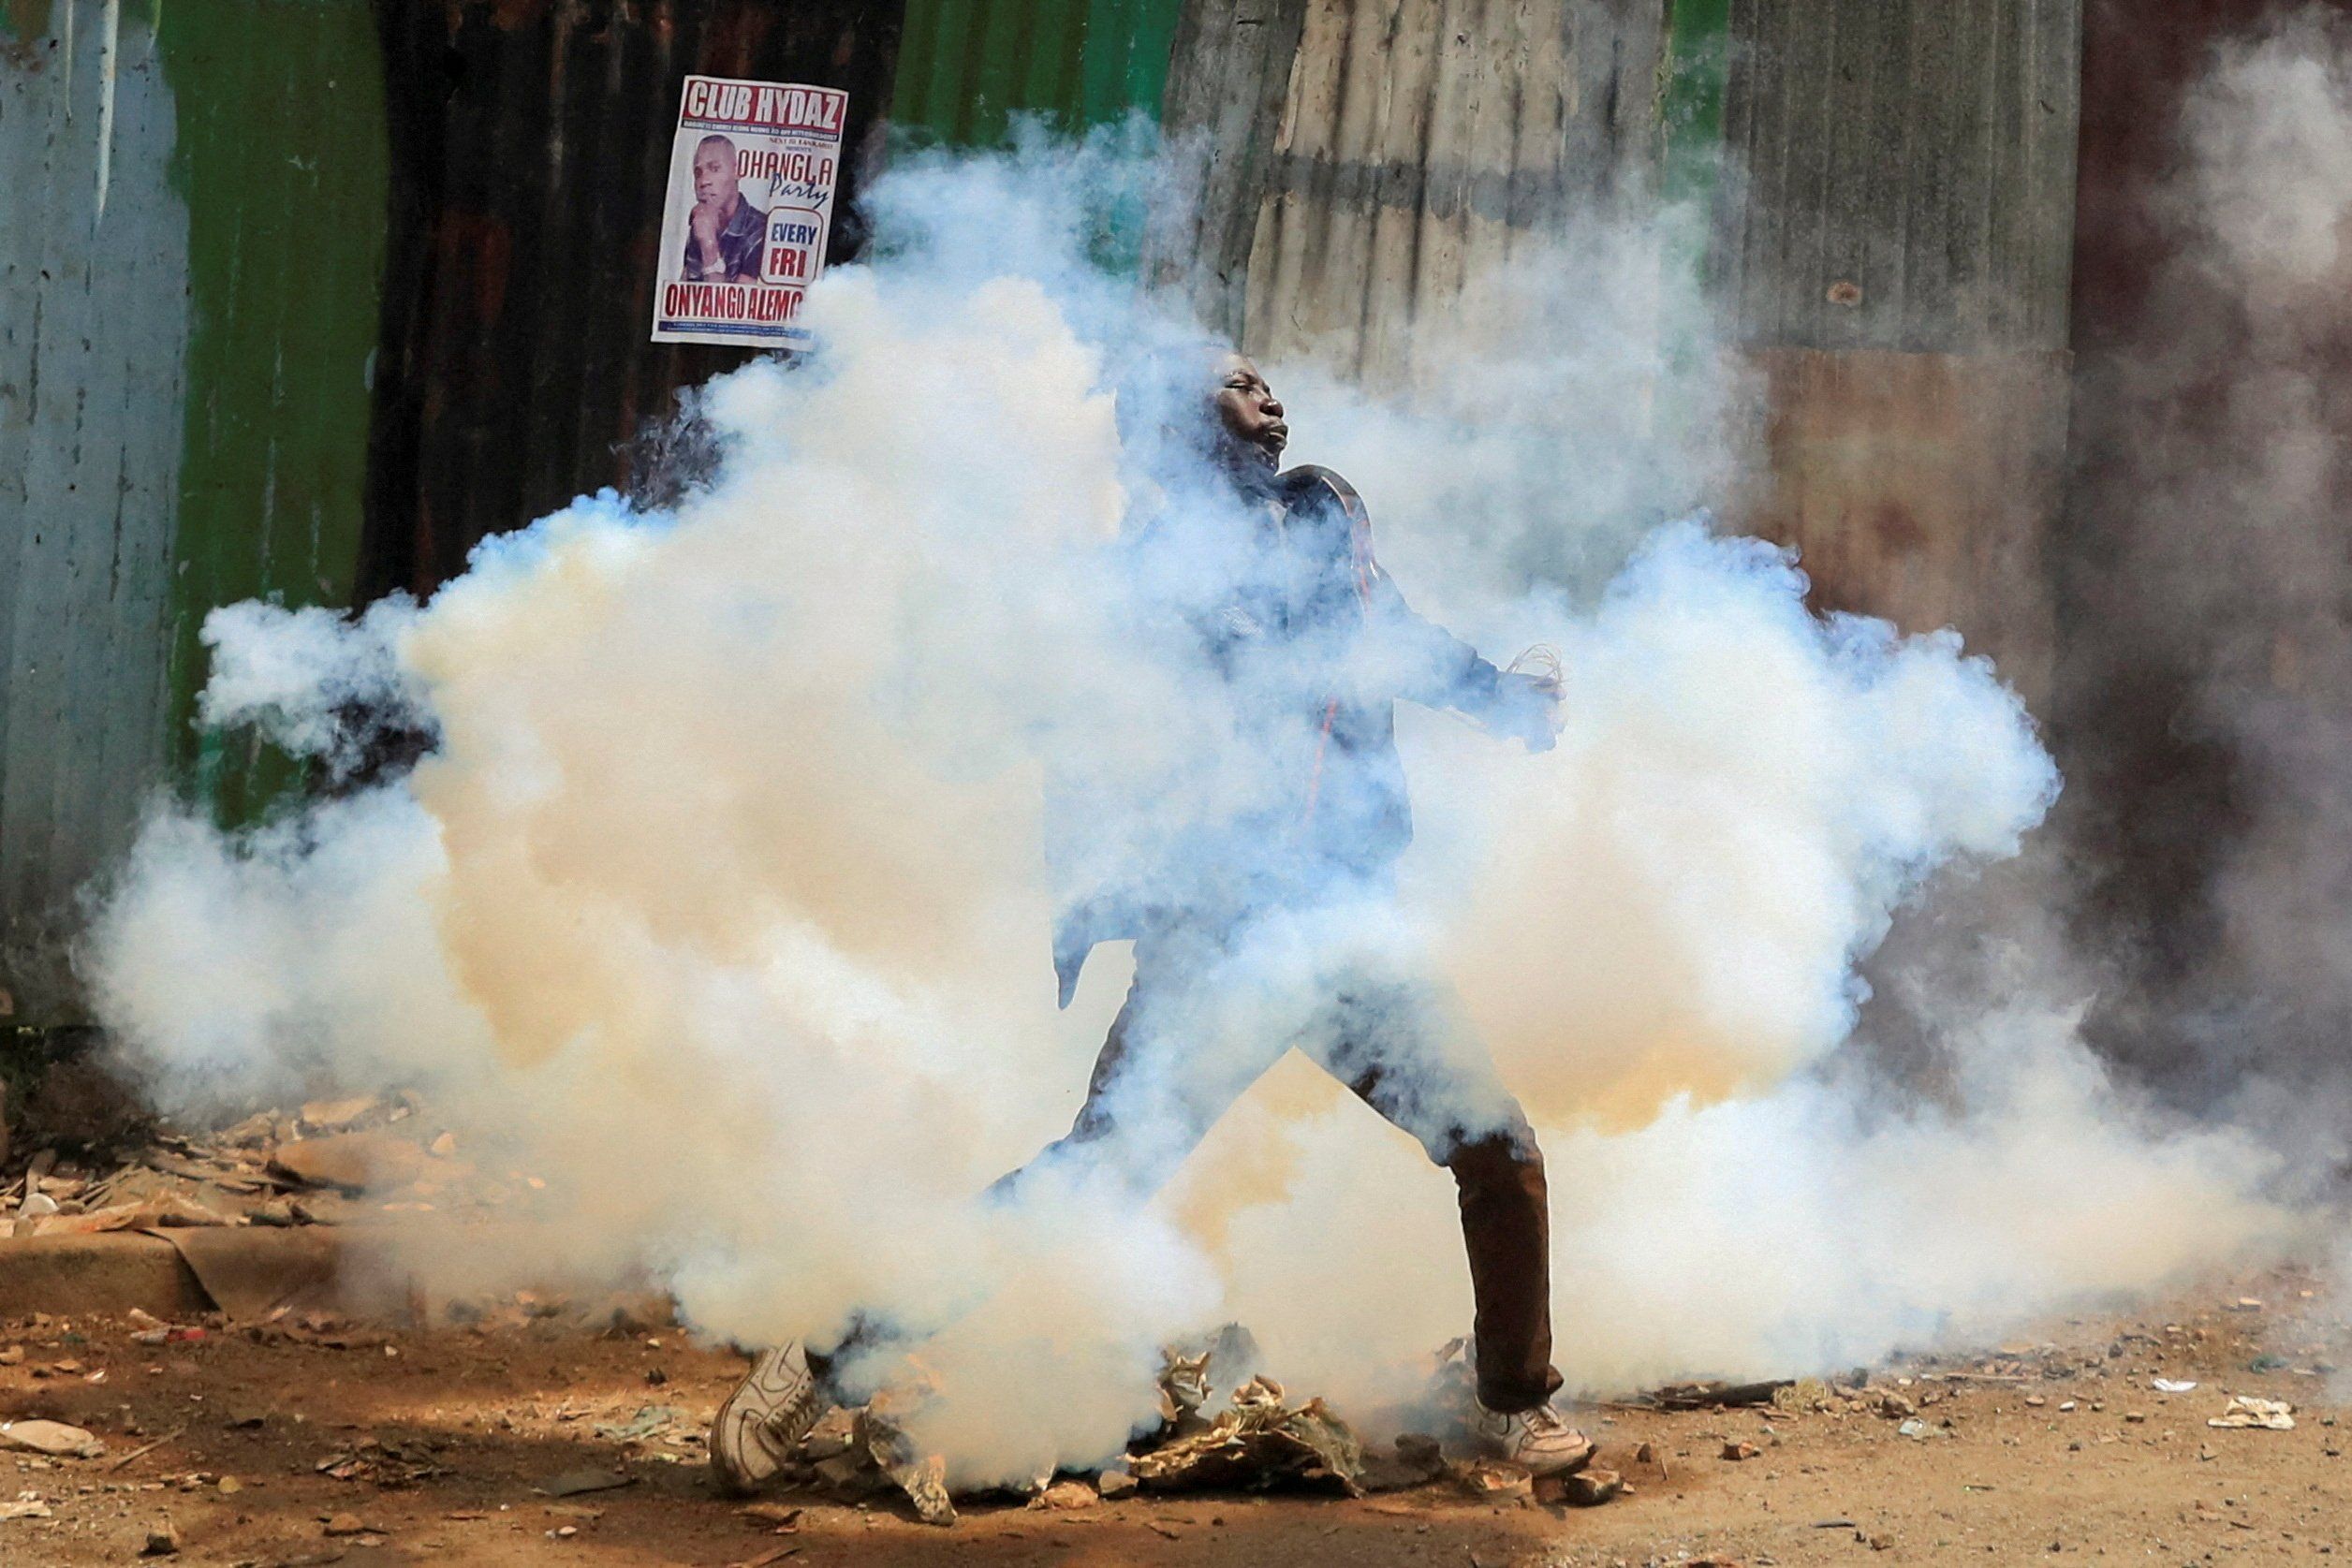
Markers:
723,900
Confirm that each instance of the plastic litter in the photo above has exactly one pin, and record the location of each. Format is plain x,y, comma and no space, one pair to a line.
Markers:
2245,1410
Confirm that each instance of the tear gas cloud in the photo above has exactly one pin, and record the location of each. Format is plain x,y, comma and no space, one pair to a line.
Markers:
723,901
2215,668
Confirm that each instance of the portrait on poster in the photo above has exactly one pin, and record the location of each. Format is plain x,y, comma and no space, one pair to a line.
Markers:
747,211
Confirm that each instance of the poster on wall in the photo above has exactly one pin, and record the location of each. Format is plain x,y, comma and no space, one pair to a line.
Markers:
747,211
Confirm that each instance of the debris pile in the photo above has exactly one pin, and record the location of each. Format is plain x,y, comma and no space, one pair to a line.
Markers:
332,1161
1261,1440
1258,1439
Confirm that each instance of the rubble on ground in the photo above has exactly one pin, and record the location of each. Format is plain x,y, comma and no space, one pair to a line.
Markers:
1261,1440
881,1435
1713,1395
329,1162
2245,1410
1258,1438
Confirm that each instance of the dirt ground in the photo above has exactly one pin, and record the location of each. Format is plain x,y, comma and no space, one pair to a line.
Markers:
254,1444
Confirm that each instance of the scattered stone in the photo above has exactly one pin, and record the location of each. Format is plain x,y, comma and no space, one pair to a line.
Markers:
2135,1416
1416,1462
2035,1402
163,1540
53,1438
1115,1482
1496,1480
334,1116
1896,1408
1065,1496
776,1515
1736,1451
1590,1488
350,1161
345,1524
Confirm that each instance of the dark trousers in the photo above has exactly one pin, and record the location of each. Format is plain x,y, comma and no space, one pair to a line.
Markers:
1186,1046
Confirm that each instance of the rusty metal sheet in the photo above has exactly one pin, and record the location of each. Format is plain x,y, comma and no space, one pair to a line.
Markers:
1921,487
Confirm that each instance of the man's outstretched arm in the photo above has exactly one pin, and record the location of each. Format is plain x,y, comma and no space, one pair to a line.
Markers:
1437,669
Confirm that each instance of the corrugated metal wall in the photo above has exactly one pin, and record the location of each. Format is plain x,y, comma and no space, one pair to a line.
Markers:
92,375
249,304
1910,168
1415,141
280,156
188,306
1897,256
530,147
187,413
966,66
1892,237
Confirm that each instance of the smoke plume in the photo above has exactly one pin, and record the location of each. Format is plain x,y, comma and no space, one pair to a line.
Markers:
722,902
2213,672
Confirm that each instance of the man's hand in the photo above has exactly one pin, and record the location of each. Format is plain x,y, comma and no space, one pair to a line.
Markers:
1527,705
704,223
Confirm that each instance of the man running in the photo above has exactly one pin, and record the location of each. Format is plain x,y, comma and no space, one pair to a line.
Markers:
1273,907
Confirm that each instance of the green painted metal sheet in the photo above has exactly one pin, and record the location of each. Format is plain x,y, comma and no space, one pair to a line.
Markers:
1690,100
281,156
967,67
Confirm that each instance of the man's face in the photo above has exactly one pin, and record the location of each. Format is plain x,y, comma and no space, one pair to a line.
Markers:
1249,412
714,182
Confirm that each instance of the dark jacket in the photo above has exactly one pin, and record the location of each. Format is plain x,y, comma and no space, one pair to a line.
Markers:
740,243
1311,644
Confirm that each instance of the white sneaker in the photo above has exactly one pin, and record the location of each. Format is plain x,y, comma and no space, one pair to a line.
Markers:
1536,1438
761,1423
